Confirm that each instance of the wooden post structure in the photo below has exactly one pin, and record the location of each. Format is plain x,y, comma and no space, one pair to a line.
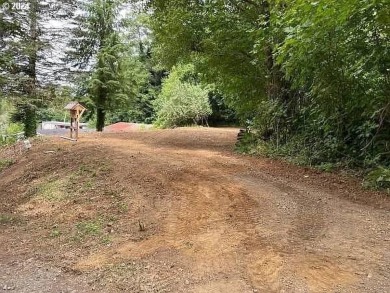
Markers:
76,111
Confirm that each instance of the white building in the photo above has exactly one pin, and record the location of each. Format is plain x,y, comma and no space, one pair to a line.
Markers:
52,125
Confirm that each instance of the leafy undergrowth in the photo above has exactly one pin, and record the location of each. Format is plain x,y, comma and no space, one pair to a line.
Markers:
378,178
373,176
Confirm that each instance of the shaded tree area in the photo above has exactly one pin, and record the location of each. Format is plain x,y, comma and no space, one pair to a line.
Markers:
115,74
310,78
222,114
141,108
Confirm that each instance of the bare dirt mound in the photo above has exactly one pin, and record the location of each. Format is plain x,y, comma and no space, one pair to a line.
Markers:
72,218
125,127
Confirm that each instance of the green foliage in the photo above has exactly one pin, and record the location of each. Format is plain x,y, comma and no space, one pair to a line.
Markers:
55,233
336,53
27,115
89,228
27,62
220,40
222,114
51,114
246,143
312,78
30,120
10,219
378,178
52,191
9,130
5,113
55,99
117,75
140,108
13,129
182,101
10,27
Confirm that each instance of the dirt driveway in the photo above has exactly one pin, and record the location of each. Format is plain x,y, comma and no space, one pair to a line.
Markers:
179,211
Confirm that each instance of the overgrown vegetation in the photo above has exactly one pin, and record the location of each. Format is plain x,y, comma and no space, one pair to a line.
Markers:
378,178
310,78
182,100
8,130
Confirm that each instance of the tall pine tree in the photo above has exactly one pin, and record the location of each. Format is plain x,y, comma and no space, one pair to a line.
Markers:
97,46
27,48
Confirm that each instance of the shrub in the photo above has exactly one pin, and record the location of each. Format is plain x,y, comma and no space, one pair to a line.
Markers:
378,178
182,100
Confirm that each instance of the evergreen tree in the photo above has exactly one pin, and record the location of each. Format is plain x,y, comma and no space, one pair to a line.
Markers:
116,75
26,61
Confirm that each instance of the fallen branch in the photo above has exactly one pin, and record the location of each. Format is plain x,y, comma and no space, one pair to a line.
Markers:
68,138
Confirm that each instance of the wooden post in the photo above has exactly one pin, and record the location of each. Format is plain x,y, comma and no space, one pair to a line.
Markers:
71,127
76,111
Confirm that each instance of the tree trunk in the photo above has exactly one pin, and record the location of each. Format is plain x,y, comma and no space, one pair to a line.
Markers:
101,97
29,121
100,119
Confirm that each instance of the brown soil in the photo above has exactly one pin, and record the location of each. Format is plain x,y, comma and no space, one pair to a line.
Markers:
215,221
125,127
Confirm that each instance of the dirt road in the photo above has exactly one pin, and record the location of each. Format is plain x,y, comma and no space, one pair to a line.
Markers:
72,215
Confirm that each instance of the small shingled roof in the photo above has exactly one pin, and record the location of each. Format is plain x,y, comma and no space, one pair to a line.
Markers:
73,105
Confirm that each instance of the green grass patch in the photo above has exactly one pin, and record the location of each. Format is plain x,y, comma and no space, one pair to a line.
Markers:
89,228
106,240
8,219
94,231
89,184
122,207
5,164
53,190
85,170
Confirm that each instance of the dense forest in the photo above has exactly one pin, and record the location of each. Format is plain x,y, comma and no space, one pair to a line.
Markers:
309,80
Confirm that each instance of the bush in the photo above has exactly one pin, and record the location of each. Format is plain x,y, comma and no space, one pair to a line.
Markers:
182,100
378,178
10,134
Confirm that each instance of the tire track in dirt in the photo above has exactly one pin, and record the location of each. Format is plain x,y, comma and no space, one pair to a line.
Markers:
300,220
